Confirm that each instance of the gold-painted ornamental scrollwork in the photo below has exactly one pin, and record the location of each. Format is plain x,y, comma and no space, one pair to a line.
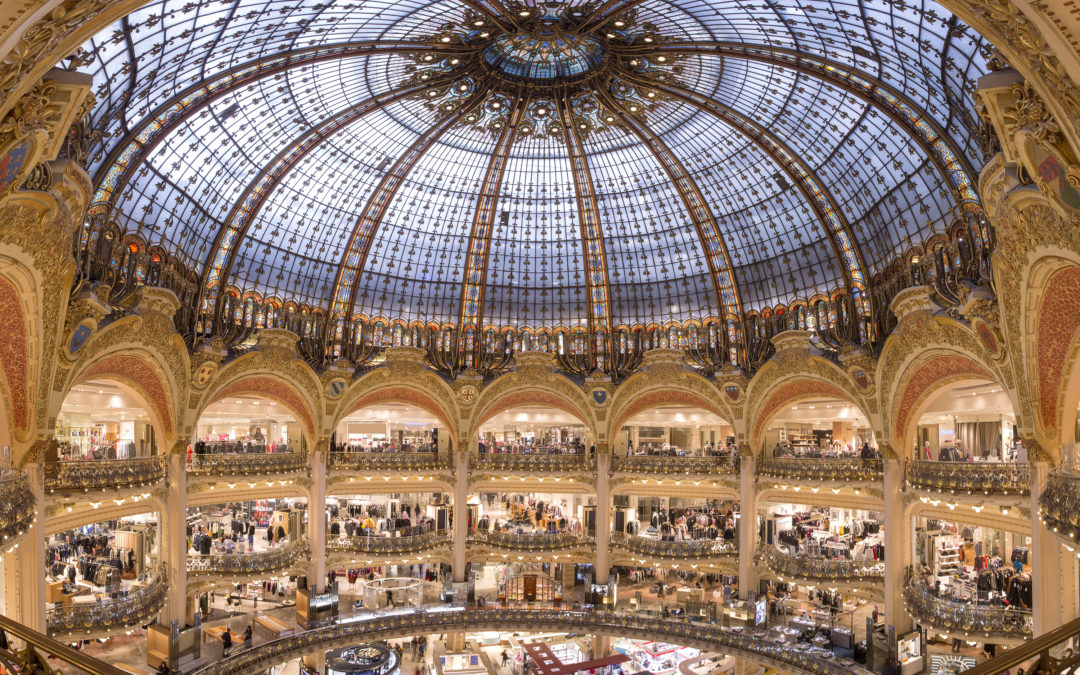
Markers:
844,469
389,462
275,560
674,466
536,541
377,545
247,464
531,462
122,609
103,475
819,569
1004,478
690,549
16,504
978,621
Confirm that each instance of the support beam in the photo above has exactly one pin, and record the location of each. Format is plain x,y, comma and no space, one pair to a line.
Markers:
920,126
748,529
597,286
837,229
897,555
174,536
24,568
129,154
347,281
728,300
495,12
603,515
222,255
1046,562
487,202
605,12
316,533
460,529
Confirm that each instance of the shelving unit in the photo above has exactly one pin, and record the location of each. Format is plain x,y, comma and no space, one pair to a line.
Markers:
947,558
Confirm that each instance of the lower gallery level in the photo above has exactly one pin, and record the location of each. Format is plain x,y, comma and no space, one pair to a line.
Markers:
496,337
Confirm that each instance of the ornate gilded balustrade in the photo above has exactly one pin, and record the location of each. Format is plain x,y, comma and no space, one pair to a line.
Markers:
956,617
536,541
693,548
674,466
445,619
1059,504
389,461
110,474
133,608
817,568
387,545
16,503
1003,478
247,464
531,462
261,562
822,469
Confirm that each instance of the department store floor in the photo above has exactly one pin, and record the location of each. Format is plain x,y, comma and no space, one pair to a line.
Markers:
130,649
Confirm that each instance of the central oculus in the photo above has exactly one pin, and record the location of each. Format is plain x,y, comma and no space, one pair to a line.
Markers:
547,54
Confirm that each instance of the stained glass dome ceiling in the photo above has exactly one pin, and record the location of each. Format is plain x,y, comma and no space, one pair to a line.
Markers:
557,164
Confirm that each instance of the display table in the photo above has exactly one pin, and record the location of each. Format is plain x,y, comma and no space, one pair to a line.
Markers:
803,623
821,641
217,632
276,628
684,594
842,637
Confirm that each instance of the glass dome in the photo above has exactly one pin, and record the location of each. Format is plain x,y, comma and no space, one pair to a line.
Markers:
500,165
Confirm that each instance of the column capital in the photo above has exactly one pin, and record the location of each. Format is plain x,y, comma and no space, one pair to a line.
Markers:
180,446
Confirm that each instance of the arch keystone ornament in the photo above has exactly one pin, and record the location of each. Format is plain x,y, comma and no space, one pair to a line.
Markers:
278,345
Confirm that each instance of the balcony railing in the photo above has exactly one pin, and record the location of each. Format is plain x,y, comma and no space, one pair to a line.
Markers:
16,503
104,474
822,469
1059,504
387,545
818,568
389,461
674,466
533,461
693,548
247,464
445,619
133,608
261,562
1004,478
958,617
536,541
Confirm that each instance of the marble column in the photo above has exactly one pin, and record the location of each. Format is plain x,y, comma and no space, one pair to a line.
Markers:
603,515
317,516
897,554
747,530
461,512
174,536
1046,561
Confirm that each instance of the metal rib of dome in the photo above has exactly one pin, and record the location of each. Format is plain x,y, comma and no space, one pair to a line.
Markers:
475,162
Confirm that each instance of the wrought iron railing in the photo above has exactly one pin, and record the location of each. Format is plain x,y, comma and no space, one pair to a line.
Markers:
803,567
502,461
822,469
692,548
1059,504
260,562
103,474
123,609
1005,478
247,464
16,503
389,461
445,619
535,541
673,466
948,616
387,545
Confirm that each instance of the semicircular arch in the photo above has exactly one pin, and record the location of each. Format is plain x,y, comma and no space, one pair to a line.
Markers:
785,391
664,395
531,395
1052,342
270,385
369,391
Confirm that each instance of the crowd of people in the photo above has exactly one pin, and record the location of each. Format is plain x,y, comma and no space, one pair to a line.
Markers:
571,447
825,451
385,446
709,449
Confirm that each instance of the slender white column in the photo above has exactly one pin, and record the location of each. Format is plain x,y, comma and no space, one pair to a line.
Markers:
317,516
603,515
897,550
747,531
461,512
174,537
1046,567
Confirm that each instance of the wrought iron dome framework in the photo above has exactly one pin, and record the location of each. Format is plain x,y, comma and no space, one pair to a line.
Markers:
477,177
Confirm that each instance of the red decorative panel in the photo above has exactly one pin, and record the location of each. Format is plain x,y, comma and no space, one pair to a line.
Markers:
1056,329
140,375
271,388
922,382
665,397
532,398
790,392
15,354
402,395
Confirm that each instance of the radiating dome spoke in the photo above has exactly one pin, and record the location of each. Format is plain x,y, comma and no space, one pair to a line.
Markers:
349,273
712,242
